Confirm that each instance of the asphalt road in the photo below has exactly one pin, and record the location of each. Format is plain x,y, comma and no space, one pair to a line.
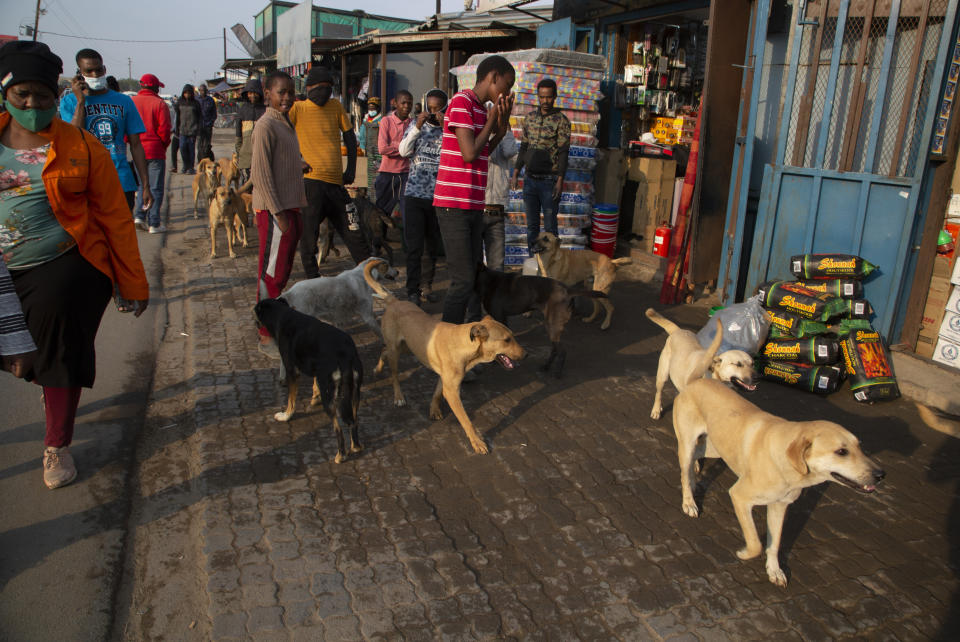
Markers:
61,551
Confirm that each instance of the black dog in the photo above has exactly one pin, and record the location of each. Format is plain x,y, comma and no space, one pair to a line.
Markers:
374,224
323,352
505,294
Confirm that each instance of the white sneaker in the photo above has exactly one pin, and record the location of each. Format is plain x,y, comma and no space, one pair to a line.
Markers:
141,223
158,230
58,467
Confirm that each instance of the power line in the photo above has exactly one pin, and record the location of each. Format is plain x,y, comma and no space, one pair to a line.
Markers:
66,35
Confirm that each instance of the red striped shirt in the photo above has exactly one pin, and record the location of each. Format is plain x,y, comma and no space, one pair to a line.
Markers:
462,185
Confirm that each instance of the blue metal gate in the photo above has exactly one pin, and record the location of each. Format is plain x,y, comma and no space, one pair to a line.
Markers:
855,122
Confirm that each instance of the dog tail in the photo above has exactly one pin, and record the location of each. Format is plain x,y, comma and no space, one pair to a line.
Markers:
378,290
662,321
246,187
707,359
624,260
350,383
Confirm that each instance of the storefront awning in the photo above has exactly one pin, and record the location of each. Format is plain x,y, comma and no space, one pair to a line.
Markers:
423,40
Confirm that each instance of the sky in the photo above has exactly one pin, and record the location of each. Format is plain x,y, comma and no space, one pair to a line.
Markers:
198,24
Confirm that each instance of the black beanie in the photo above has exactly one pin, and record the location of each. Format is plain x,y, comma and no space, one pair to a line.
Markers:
318,75
24,60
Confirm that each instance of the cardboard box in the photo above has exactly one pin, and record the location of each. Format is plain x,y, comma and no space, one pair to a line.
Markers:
947,352
955,277
950,328
926,346
610,174
953,303
654,201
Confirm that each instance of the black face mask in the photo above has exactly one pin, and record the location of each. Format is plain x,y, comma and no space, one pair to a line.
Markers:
320,95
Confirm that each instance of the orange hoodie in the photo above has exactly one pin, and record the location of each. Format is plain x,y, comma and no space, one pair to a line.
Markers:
88,201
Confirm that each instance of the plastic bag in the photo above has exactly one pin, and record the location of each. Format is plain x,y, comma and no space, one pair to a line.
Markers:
745,327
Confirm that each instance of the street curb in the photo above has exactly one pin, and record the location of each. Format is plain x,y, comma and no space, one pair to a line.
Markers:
927,382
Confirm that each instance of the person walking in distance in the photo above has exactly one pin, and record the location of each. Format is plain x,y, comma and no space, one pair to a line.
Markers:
112,118
369,134
320,122
394,168
498,197
69,244
276,170
208,117
470,130
421,231
247,116
156,120
544,148
187,127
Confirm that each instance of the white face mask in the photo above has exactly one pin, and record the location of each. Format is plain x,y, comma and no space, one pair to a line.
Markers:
372,113
96,83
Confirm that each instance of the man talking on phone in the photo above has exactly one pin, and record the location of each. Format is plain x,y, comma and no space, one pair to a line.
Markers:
111,117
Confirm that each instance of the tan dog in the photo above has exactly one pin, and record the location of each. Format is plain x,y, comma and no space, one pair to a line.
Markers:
225,209
228,171
205,182
775,459
448,349
680,362
573,267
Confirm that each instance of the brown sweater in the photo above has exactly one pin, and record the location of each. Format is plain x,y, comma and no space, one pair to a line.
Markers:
276,168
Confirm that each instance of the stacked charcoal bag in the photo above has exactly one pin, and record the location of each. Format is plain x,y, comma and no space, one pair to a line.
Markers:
821,319
578,76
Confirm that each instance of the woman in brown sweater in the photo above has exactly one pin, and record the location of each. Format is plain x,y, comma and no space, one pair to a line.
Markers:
277,173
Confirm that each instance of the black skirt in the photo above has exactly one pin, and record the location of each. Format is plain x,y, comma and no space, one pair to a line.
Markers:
63,302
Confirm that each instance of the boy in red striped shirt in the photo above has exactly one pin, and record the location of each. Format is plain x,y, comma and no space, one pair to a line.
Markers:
470,132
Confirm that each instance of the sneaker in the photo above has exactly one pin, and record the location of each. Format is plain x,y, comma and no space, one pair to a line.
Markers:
173,170
58,467
158,229
141,223
269,349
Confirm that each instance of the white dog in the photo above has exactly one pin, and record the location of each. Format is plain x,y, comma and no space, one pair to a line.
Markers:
340,300
680,358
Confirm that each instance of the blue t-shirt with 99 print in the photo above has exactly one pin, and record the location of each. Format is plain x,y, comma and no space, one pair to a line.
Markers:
110,117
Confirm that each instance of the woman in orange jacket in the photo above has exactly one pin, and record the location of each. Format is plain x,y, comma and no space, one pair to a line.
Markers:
67,238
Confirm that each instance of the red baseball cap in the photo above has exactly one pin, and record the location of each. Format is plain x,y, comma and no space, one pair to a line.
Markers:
149,80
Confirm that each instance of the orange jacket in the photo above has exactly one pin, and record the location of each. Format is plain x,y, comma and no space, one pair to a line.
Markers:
88,201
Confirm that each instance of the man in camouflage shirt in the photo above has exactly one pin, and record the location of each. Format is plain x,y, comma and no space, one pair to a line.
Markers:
544,147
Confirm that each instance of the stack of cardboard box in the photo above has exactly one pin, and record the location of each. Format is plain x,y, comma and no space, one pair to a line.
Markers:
654,203
947,348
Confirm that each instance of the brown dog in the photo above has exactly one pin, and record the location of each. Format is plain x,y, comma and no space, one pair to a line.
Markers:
448,349
573,267
205,182
226,207
228,171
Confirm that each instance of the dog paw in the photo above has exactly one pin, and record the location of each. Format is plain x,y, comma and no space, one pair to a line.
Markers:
339,458
748,554
213,255
777,576
282,416
356,448
605,325
233,255
436,415
480,447
399,402
655,413
315,402
690,508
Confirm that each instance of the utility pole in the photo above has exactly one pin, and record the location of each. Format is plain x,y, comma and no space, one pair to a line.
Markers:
224,51
129,68
36,21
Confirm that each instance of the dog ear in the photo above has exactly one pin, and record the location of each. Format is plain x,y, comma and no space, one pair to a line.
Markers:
716,362
479,331
797,454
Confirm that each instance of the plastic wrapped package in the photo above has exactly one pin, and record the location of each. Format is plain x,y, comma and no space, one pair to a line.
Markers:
818,350
807,303
745,327
869,366
582,163
822,379
830,266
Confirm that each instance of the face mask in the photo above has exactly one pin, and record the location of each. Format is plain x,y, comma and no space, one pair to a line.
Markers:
32,119
96,83
372,113
320,95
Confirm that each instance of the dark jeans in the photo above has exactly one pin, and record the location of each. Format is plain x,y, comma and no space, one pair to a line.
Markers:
493,238
187,145
325,201
156,167
174,151
537,197
420,231
204,141
462,232
389,189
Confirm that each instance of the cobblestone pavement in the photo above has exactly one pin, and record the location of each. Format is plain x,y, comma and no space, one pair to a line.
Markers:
570,528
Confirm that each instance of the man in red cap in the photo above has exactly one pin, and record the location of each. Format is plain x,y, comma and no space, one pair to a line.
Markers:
156,119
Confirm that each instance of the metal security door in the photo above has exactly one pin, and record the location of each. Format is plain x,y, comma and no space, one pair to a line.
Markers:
855,128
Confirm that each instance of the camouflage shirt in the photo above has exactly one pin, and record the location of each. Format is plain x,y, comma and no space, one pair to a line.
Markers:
545,143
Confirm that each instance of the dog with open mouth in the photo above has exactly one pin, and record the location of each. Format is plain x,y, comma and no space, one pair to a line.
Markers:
681,356
773,458
450,350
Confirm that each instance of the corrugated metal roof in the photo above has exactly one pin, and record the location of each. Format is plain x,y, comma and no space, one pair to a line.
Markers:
474,20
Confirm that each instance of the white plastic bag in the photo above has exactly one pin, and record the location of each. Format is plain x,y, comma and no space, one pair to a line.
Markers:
745,327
